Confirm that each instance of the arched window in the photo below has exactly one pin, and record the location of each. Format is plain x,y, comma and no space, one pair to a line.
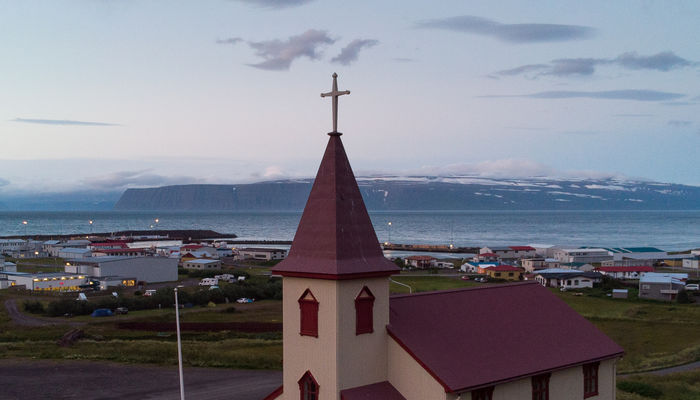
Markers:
308,387
308,307
364,318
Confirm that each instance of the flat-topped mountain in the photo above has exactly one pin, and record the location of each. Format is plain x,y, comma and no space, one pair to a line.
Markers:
426,193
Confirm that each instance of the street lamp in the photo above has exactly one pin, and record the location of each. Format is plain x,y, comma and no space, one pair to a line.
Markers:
90,222
389,231
25,223
179,347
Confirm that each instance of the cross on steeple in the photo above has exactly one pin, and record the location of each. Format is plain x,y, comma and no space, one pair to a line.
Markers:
335,93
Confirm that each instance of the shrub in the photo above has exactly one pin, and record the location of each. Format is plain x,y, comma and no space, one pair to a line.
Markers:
640,388
683,297
34,307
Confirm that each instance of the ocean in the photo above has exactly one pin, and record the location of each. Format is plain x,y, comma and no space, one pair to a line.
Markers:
668,230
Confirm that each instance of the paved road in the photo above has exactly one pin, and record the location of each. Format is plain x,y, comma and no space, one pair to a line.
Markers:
85,380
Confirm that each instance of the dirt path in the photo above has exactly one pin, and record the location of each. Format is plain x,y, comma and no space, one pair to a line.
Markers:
22,319
111,381
665,371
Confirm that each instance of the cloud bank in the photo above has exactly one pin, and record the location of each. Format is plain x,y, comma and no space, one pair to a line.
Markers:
233,40
276,3
61,122
664,61
349,53
637,95
279,54
510,33
141,178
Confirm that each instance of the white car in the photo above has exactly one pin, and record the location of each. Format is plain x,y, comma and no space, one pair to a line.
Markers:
243,300
692,287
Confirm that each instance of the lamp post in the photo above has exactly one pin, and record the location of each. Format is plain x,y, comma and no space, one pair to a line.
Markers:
90,222
179,347
25,223
389,239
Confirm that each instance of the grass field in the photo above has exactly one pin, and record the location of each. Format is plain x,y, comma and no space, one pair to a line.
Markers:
679,386
654,335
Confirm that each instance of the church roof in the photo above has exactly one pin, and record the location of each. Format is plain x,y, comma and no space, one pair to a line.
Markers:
335,238
382,390
511,331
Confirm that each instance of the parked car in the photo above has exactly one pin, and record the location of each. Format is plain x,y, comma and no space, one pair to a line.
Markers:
464,278
121,310
243,300
692,287
149,292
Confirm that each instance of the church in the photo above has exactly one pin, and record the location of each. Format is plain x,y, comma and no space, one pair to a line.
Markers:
346,338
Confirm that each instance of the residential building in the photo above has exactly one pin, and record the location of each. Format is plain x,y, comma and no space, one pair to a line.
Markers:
624,272
74,253
262,253
510,252
477,267
567,279
692,263
125,251
657,286
202,264
419,261
582,255
9,245
507,272
485,257
536,263
346,338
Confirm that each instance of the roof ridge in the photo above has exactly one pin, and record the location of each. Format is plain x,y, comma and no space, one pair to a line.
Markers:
482,287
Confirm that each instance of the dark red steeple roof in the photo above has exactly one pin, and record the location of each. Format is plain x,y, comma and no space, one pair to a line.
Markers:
335,238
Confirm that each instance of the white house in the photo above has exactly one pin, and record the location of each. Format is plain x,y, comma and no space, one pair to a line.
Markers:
582,255
73,253
8,245
624,272
202,264
261,253
693,263
567,278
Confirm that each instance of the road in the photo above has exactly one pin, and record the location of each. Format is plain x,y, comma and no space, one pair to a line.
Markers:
86,380
22,319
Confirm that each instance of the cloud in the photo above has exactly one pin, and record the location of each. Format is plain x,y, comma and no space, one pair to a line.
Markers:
679,123
279,54
679,103
511,33
403,59
4,182
61,122
233,40
664,61
276,3
140,178
349,53
637,95
632,115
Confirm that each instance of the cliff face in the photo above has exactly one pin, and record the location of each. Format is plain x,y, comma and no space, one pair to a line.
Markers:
425,193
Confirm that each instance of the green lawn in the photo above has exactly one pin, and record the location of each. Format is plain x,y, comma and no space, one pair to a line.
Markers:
679,386
428,283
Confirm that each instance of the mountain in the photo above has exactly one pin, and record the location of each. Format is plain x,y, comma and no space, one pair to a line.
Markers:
70,201
426,193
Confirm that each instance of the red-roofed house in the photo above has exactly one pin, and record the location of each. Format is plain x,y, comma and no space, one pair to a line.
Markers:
420,261
625,272
345,338
485,257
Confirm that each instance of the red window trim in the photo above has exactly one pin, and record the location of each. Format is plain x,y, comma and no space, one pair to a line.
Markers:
364,304
483,393
538,380
590,380
308,314
305,378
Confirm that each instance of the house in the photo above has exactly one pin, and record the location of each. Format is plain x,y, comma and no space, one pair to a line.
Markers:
8,245
346,338
477,267
579,266
544,250
126,251
419,261
202,264
146,269
264,254
676,260
567,279
485,257
507,272
692,263
536,263
585,255
632,253
660,286
624,272
509,252
74,252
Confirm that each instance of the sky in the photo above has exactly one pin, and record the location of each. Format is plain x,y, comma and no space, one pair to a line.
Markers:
109,94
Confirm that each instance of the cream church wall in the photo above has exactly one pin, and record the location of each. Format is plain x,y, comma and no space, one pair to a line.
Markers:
410,379
338,359
565,385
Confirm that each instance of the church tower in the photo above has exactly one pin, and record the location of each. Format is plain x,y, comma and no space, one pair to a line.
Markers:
335,286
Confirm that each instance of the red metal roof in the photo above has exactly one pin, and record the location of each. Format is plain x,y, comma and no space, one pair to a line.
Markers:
640,268
522,248
109,244
421,258
514,331
335,238
117,251
191,246
376,391
503,268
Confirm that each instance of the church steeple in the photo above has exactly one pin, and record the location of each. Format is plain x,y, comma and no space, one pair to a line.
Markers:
335,238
